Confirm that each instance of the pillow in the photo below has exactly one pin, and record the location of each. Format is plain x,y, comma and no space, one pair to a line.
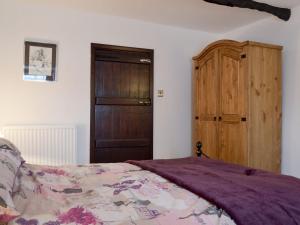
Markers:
6,144
10,163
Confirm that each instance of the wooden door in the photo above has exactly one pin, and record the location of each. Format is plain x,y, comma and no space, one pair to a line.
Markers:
122,109
233,104
206,92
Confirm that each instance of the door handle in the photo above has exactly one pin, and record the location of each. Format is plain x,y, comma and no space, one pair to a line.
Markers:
144,102
145,60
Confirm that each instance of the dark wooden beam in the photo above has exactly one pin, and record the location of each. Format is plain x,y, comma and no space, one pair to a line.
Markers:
282,13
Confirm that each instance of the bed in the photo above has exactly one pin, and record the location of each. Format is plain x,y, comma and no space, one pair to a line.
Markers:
140,193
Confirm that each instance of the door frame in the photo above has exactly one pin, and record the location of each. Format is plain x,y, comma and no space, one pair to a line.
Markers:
94,48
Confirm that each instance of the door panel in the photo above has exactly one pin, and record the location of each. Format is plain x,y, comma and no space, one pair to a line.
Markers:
209,138
122,111
233,142
122,80
233,145
232,83
123,122
206,105
208,86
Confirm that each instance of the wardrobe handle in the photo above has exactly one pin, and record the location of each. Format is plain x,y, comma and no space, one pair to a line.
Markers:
141,102
197,118
215,118
199,149
220,118
243,119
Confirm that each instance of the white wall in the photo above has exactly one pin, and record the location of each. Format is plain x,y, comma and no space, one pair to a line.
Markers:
286,34
67,100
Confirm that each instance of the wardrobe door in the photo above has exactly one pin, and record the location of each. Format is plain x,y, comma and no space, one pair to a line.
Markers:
233,98
206,104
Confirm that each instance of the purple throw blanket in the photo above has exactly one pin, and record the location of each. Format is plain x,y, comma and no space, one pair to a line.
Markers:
250,197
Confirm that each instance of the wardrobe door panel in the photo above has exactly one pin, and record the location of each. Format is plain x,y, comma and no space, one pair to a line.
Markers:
208,134
206,100
233,106
208,86
232,82
233,142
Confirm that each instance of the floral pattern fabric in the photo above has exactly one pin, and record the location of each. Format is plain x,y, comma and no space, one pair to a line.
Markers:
108,194
10,162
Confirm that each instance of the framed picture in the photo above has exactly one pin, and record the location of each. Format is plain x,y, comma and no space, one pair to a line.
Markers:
40,61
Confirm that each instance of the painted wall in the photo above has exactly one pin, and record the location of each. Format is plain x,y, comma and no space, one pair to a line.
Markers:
67,100
286,34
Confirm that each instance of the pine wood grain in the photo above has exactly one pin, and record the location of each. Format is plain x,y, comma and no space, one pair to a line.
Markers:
237,100
265,108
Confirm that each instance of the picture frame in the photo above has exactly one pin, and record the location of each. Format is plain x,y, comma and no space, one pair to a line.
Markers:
40,61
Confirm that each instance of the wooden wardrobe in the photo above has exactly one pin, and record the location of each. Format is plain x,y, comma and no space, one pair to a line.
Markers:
237,103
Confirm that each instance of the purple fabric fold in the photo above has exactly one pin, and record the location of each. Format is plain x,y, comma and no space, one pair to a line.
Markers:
249,196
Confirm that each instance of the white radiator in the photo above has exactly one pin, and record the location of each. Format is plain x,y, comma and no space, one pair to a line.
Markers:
44,145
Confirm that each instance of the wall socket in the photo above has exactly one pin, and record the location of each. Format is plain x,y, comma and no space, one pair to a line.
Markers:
160,93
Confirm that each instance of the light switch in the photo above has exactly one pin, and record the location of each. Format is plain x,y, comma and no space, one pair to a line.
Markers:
160,93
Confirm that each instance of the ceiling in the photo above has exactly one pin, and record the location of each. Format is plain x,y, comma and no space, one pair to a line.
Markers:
191,14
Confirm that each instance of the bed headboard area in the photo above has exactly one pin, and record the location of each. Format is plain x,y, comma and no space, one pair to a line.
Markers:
44,145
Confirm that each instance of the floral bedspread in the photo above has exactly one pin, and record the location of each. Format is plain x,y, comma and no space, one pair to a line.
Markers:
108,194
